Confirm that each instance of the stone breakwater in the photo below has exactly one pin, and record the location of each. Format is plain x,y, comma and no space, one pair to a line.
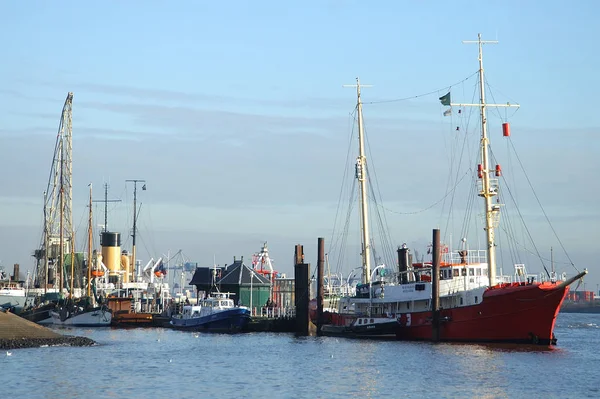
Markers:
16,332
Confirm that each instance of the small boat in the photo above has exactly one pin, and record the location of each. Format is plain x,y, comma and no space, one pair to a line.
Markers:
12,295
216,313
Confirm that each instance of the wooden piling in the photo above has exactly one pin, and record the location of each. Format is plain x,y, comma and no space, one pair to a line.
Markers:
301,291
435,287
320,288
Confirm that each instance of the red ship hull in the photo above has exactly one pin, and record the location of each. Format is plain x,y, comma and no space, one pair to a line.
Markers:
508,313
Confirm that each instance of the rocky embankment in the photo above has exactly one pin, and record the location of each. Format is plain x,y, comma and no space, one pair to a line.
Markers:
16,332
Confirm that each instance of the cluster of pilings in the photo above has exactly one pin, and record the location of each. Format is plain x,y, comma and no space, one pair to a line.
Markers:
302,289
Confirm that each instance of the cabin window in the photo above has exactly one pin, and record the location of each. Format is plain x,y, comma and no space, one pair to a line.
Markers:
359,321
461,300
464,271
407,305
478,271
372,320
475,298
471,271
455,273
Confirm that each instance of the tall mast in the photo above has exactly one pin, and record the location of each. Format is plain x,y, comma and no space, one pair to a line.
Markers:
89,254
489,187
361,175
46,241
106,201
62,231
133,234
72,264
486,192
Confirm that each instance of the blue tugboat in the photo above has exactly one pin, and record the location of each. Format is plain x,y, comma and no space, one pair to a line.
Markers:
216,313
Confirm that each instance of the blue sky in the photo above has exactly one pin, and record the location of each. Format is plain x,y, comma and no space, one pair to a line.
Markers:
235,114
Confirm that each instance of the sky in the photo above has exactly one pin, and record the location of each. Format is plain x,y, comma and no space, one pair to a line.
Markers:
235,115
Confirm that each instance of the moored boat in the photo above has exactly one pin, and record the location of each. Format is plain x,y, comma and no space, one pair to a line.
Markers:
80,313
468,301
215,313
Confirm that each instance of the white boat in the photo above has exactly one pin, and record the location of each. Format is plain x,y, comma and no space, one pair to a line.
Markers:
77,316
12,295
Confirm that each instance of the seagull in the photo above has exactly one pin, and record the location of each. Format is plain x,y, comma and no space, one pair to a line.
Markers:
8,353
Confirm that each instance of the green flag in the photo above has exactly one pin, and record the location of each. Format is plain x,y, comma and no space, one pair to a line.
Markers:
445,100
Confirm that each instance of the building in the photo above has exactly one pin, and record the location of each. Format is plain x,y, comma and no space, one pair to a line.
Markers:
247,287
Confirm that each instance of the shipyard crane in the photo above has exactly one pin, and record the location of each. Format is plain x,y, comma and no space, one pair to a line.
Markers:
58,235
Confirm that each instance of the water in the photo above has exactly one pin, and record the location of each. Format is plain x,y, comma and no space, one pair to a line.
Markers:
161,363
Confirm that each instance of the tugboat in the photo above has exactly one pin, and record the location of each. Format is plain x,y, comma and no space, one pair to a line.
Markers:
215,313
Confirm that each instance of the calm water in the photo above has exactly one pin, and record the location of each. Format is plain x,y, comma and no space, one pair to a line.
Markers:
160,363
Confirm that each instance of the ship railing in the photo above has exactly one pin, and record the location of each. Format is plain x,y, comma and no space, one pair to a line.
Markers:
471,256
529,277
273,313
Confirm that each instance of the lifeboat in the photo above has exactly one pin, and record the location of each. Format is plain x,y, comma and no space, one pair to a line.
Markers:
97,273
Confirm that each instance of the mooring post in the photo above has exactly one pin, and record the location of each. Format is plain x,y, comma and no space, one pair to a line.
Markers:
301,272
435,287
320,288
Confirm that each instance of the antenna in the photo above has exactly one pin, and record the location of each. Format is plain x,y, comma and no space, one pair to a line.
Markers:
106,201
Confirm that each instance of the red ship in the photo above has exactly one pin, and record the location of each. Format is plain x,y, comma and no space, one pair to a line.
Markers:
473,303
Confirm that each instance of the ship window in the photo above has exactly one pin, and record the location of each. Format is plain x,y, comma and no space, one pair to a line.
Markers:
461,300
372,321
359,321
475,298
407,305
464,271
485,272
478,271
471,271
455,273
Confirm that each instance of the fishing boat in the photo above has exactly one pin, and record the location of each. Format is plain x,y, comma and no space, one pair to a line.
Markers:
215,313
79,313
456,295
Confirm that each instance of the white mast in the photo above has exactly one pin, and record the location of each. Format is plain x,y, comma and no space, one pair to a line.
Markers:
361,175
488,190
